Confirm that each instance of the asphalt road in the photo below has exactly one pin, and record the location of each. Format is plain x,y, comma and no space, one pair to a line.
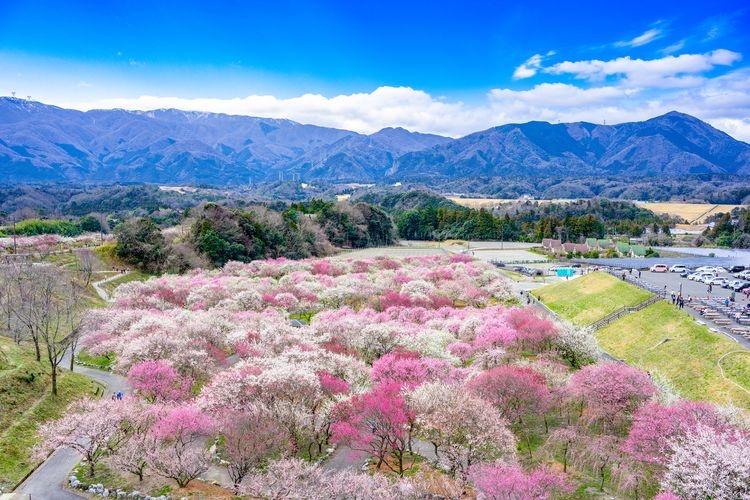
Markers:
47,481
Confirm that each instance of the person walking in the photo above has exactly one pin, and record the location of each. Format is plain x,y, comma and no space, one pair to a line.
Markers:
639,274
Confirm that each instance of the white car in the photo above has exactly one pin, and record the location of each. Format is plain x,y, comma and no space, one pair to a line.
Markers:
702,277
732,283
707,269
715,281
677,268
743,275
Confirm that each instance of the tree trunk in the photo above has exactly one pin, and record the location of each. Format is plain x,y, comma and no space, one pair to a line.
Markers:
72,357
36,348
54,380
91,468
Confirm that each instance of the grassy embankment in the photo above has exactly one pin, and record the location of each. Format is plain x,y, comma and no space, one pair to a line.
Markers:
25,402
689,359
25,388
589,298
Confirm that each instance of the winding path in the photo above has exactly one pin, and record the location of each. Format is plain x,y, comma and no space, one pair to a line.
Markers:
104,294
47,481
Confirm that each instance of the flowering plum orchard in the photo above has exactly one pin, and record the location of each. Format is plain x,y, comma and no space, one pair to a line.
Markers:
394,358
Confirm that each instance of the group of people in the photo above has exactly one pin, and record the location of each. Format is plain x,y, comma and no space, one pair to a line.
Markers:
678,300
116,396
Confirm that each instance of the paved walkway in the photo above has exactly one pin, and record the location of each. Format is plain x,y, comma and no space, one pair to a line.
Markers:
101,291
47,481
346,459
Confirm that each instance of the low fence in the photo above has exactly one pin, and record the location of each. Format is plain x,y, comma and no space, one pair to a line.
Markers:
619,313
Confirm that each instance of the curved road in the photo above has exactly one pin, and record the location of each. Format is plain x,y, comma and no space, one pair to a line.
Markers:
47,481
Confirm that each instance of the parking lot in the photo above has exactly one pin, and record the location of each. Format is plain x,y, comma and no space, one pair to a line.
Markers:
674,283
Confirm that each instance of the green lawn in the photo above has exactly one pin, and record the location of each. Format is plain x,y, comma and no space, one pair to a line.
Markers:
688,360
134,275
102,362
589,298
25,402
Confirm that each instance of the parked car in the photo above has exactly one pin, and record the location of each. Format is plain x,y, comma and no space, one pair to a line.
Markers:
736,269
700,276
741,286
677,268
744,275
659,268
686,273
715,281
709,269
731,283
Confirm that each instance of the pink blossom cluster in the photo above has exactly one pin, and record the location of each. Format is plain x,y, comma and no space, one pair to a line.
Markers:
397,352
311,285
45,243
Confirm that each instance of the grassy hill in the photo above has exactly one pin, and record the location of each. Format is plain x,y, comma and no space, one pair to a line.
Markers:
589,298
25,402
689,359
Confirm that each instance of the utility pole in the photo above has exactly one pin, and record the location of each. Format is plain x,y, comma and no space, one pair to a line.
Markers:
15,249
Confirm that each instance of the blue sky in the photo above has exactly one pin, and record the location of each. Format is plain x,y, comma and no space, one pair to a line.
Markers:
444,67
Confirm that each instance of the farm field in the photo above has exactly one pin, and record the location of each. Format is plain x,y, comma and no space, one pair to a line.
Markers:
694,213
589,298
688,359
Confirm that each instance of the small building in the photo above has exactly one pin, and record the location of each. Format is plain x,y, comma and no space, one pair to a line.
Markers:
575,247
623,248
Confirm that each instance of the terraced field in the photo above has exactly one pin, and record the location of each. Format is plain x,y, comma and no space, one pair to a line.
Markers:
694,213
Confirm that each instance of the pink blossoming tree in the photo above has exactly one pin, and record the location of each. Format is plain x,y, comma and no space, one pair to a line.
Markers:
376,422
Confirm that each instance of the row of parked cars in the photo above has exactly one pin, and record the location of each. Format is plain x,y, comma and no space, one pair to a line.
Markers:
710,276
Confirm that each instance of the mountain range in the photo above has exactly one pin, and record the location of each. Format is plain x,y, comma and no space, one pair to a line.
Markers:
41,143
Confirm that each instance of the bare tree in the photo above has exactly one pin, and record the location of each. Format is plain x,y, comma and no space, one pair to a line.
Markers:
23,299
7,320
57,315
46,305
86,265
73,338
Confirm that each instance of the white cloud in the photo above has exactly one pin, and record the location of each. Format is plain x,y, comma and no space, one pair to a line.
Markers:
675,47
619,90
531,66
668,71
528,68
643,39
